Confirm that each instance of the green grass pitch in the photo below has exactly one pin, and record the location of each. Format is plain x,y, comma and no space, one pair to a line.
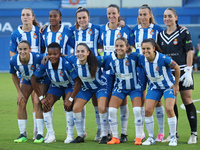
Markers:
9,127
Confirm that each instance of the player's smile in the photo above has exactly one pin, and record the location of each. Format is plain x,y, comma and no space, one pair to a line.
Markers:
148,51
120,48
82,54
54,55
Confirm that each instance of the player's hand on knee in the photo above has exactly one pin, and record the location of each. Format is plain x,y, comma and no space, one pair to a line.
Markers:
67,104
45,103
187,77
20,98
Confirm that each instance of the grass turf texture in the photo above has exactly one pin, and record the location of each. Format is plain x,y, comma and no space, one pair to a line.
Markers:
9,127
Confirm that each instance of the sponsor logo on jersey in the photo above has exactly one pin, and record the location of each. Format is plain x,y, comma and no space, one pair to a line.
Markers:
35,36
188,42
175,42
119,35
127,63
90,32
32,67
61,73
157,68
152,32
60,37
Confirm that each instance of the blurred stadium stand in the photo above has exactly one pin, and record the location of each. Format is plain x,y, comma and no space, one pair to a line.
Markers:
10,11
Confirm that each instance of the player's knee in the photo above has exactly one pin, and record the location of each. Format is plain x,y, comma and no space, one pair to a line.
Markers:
148,112
169,110
102,109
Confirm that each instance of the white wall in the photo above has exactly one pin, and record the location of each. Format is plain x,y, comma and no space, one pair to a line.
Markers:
151,3
128,3
101,3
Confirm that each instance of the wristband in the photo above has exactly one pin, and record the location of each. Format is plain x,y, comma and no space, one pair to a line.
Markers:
71,99
41,97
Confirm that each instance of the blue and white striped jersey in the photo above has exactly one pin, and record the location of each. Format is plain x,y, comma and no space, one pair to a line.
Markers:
89,36
144,33
26,71
62,77
159,72
109,36
124,70
84,74
33,36
64,37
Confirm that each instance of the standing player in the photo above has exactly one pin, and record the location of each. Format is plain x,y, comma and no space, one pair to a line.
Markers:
126,83
88,33
56,32
88,68
176,43
147,28
61,73
108,34
157,68
28,31
25,63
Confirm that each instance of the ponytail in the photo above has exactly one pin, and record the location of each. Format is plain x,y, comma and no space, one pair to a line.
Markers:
35,22
91,60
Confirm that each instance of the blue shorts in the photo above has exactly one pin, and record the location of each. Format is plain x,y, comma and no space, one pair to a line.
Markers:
142,78
44,80
157,94
123,93
87,94
59,91
110,82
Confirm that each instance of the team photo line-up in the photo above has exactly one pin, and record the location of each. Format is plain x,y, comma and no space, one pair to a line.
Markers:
40,67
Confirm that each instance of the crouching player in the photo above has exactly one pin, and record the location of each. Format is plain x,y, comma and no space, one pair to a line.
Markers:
25,63
61,73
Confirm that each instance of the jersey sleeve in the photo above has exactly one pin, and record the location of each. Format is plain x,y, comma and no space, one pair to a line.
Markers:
106,62
71,39
40,70
12,69
167,60
71,70
13,44
39,57
133,30
140,60
159,39
130,37
187,41
101,36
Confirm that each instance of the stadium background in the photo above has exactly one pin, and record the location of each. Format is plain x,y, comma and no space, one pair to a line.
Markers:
10,11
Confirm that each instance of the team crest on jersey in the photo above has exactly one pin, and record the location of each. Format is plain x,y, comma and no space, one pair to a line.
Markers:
152,32
119,35
90,32
35,36
127,63
175,42
60,37
61,74
32,67
157,68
